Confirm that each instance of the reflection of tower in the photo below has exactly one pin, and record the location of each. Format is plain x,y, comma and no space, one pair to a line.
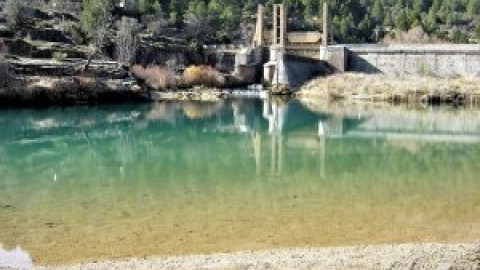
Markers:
275,113
257,148
239,117
322,146
277,154
313,142
276,118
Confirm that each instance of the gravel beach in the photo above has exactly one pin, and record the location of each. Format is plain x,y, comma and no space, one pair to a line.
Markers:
393,257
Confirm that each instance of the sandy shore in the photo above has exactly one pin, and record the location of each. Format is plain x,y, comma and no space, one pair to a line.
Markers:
393,257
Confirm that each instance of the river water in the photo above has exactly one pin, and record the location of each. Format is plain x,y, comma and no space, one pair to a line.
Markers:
90,183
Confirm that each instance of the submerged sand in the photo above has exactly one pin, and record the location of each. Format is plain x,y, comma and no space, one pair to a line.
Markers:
394,257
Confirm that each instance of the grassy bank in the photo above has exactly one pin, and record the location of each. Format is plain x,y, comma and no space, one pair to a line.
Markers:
406,89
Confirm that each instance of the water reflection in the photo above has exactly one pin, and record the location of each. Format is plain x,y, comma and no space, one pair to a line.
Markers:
15,258
189,177
267,130
270,127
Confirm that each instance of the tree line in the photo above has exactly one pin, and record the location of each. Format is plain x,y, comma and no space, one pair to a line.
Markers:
352,20
204,21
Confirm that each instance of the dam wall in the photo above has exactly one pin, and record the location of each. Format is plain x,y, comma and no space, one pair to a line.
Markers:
292,71
418,59
299,69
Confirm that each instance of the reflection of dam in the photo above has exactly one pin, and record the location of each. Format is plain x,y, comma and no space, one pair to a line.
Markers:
271,132
413,125
290,125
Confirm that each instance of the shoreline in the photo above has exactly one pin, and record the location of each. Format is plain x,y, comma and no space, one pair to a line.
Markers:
395,256
381,88
45,91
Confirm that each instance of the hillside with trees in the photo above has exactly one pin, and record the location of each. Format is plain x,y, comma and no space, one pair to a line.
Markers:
455,21
192,23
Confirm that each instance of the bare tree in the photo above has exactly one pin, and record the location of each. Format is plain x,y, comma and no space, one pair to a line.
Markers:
157,23
126,42
103,22
100,22
199,27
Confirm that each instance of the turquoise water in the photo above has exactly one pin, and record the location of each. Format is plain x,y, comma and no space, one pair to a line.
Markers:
90,183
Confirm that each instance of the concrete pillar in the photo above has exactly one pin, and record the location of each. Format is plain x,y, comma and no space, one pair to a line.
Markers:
336,56
276,53
274,70
279,24
258,39
326,24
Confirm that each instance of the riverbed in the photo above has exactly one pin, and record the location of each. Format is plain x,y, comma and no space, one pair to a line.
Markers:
87,184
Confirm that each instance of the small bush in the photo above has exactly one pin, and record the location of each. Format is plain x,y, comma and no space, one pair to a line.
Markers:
59,56
203,75
155,77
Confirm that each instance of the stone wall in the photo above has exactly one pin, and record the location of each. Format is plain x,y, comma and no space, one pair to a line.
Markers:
440,60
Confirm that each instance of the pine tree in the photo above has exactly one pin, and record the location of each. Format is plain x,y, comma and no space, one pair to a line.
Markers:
477,28
377,11
401,23
419,6
430,22
473,7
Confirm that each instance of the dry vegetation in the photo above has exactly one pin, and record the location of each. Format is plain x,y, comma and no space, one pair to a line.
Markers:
158,78
415,35
203,75
380,88
155,77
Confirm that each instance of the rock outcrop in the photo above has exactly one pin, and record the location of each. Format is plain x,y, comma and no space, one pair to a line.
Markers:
48,66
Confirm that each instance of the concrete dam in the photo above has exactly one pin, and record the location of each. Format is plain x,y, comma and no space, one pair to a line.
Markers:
406,59
287,60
